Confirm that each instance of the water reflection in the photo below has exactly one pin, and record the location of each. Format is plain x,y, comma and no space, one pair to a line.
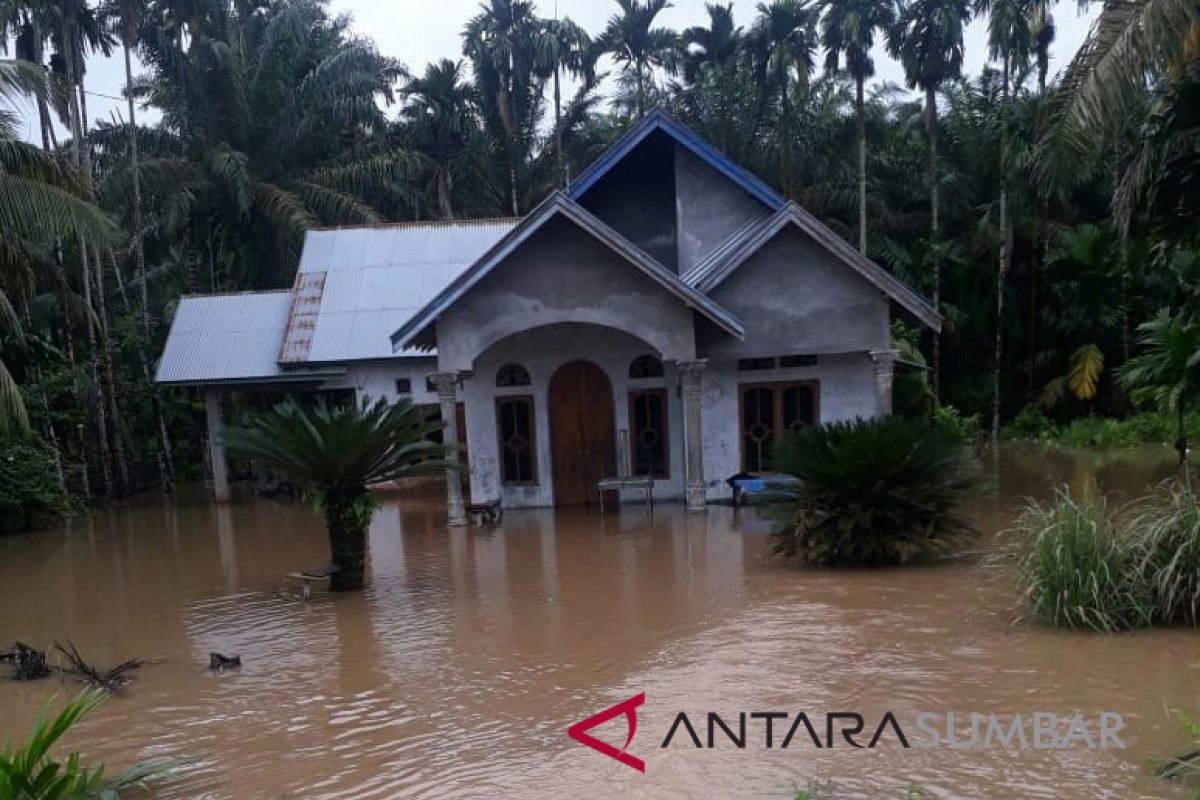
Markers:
457,671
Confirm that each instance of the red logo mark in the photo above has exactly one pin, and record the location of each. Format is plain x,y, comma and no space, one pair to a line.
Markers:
626,707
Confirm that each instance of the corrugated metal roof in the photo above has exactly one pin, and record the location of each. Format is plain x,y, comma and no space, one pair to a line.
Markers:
375,280
225,337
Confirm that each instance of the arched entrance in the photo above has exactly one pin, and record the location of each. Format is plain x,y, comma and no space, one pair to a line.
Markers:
581,431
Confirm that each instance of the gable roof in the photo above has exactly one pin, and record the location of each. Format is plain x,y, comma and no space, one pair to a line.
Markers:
659,120
745,242
229,338
354,285
559,204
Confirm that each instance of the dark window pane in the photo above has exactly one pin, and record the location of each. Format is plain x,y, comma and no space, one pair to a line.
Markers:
649,441
751,364
512,375
797,361
514,416
646,367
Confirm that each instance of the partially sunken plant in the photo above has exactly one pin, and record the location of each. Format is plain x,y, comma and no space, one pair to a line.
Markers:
870,493
336,454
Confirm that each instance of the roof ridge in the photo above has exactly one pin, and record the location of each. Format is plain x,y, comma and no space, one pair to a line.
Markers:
239,293
420,223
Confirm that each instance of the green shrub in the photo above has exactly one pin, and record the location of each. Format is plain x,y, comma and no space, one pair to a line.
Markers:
1166,544
962,427
1030,423
29,772
1076,566
869,492
1101,433
30,494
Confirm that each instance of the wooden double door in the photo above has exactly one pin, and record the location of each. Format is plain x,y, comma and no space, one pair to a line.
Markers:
581,432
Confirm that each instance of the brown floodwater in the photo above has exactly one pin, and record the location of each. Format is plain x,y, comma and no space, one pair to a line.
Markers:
456,673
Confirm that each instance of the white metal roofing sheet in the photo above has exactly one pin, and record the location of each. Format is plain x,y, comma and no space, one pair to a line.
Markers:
225,337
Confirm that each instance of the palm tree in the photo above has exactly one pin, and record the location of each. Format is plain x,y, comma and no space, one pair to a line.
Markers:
1009,40
1167,371
849,27
440,119
569,48
718,44
337,453
928,40
510,72
41,199
783,41
639,47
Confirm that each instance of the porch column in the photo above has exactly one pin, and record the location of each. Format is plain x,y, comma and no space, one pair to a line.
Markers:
690,373
885,365
447,390
216,445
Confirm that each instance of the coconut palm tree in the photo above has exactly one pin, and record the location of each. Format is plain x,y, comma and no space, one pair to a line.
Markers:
783,40
717,44
510,73
1010,40
337,453
441,123
637,46
568,48
1167,371
849,28
928,41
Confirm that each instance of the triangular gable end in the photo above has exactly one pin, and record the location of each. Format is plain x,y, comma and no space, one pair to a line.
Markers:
707,277
659,120
556,205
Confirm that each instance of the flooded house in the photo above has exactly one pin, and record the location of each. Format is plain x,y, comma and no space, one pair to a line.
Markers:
656,326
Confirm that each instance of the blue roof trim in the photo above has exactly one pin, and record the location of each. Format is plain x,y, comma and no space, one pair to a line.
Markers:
560,204
659,120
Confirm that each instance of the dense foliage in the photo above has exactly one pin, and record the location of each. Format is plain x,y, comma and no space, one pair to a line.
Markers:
31,492
1046,216
336,453
1082,564
870,492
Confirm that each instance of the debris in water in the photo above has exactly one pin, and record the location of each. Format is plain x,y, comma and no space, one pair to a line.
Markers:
28,664
111,680
217,662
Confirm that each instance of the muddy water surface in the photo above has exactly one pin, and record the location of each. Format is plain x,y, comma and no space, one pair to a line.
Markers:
457,672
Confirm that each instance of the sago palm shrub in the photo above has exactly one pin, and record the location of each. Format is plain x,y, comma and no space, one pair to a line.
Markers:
870,492
336,454
1076,566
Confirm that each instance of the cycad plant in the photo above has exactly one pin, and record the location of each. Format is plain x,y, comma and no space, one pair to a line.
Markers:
1167,371
337,453
29,772
870,492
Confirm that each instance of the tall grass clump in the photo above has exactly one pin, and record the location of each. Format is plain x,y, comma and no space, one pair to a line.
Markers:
1077,567
1166,542
870,493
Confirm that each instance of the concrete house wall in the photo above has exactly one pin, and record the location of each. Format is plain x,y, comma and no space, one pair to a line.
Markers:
708,208
562,275
542,351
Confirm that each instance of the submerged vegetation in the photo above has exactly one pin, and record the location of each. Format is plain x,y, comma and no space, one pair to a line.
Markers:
1074,192
870,492
337,453
1083,564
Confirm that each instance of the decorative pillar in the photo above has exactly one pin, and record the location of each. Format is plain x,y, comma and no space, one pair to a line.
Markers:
447,390
216,445
885,366
690,373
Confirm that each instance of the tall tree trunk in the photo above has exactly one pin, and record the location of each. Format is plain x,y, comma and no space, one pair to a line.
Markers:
139,250
934,234
862,165
641,92
118,440
445,191
558,133
82,159
164,452
1005,255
